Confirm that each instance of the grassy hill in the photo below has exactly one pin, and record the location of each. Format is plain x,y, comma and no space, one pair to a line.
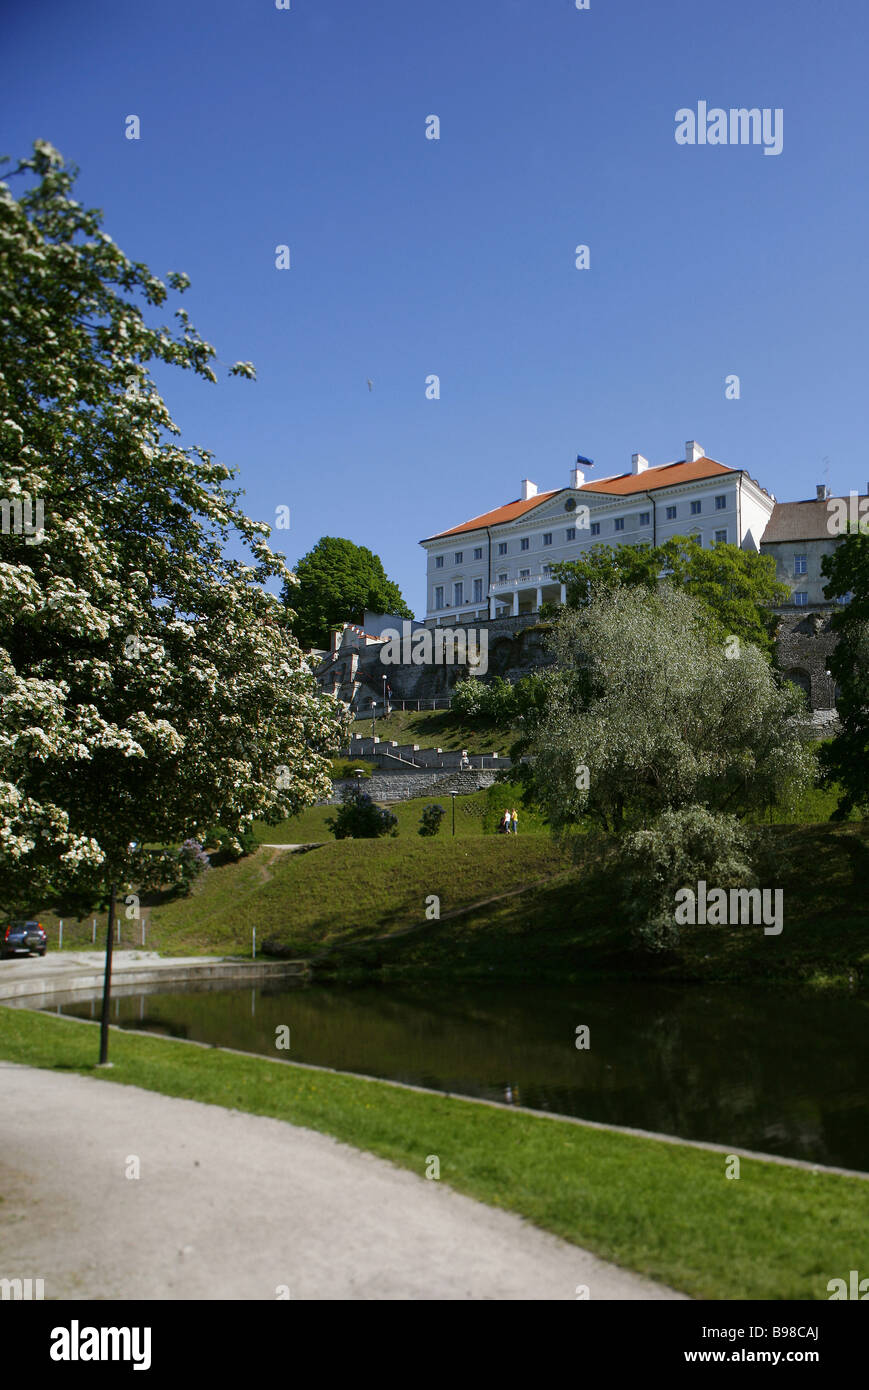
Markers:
510,908
437,729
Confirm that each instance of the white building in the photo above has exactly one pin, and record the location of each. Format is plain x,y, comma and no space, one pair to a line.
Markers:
500,563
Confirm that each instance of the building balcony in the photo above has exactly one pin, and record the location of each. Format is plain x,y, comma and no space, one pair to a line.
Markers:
526,595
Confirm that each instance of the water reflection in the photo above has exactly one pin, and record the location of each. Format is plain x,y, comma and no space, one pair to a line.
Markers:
778,1073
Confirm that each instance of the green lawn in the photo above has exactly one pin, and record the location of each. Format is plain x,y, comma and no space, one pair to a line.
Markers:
665,1210
476,814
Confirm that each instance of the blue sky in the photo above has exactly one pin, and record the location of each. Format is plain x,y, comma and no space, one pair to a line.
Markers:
410,256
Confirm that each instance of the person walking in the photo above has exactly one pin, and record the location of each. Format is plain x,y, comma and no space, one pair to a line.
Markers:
515,819
504,825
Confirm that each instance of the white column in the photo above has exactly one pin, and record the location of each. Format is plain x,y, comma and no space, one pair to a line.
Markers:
515,602
564,593
491,605
539,599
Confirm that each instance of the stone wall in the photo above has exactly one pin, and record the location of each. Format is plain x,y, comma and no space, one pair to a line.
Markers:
517,646
804,644
403,786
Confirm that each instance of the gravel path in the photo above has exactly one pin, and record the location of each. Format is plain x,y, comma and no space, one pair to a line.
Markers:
236,1206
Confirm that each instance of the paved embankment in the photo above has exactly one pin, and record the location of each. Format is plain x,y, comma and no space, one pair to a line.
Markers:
67,972
229,1205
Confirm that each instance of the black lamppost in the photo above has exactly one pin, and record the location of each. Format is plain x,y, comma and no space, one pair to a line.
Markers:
453,795
373,712
107,985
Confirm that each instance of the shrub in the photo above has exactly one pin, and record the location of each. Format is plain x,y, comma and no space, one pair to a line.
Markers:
431,820
494,701
229,847
498,702
359,818
192,861
465,699
681,848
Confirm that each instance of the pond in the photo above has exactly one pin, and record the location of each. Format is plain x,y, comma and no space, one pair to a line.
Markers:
783,1074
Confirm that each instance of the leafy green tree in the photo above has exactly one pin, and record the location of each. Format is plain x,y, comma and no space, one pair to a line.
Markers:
606,567
648,713
845,759
151,687
337,581
737,588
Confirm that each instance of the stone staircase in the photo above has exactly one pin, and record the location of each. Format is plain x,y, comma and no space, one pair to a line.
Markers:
388,753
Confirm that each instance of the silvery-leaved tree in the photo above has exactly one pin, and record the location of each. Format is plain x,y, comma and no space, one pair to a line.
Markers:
151,687
648,712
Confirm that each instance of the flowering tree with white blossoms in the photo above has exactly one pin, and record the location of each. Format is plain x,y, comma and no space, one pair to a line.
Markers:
151,687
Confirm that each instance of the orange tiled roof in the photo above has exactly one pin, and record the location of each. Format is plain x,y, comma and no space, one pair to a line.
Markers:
508,512
667,475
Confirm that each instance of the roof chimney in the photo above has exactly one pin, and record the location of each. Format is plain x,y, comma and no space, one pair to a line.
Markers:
693,451
822,492
577,474
528,490
639,463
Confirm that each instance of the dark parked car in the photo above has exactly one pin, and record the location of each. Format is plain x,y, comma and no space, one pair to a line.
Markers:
22,937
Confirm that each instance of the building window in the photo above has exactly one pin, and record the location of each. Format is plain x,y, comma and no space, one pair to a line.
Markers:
439,596
696,508
645,518
721,537
671,513
547,571
619,524
720,503
502,579
439,562
570,533
525,543
595,528
458,594
478,552
524,574
478,591
547,537
799,564
801,599
502,547
459,556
